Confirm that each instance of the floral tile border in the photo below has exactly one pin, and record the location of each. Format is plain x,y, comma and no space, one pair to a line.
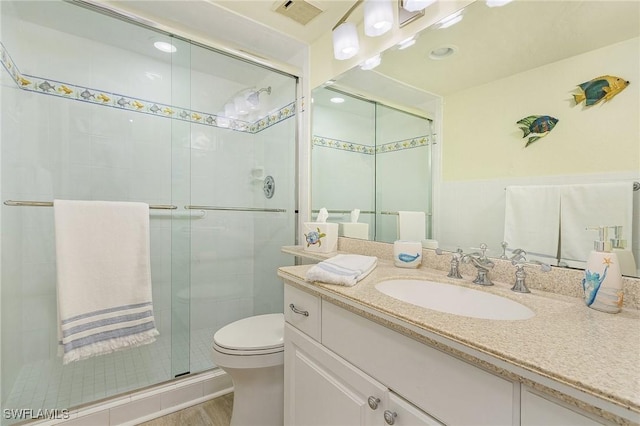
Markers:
370,150
118,101
416,142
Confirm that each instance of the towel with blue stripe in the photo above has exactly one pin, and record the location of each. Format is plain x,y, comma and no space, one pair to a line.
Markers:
104,277
342,269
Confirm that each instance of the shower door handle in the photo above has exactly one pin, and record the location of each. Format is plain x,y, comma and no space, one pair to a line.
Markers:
298,311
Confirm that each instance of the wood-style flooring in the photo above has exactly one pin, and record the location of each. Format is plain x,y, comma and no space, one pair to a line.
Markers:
216,412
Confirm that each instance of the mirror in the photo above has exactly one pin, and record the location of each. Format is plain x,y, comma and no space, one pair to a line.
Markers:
371,157
496,67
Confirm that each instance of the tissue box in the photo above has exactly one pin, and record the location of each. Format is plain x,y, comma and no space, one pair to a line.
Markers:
320,237
407,254
354,230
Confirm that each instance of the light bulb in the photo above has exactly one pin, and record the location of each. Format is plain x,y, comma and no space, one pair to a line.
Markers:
345,41
378,17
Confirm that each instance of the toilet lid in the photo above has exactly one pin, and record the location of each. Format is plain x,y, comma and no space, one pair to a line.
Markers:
252,334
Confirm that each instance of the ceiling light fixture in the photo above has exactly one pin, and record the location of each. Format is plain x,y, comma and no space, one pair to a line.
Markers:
407,43
345,41
337,100
450,20
443,52
371,63
497,3
378,17
165,47
416,5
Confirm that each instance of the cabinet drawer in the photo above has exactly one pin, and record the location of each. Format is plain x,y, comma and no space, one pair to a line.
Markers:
302,310
451,390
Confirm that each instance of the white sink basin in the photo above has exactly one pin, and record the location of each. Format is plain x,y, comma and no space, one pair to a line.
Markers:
454,299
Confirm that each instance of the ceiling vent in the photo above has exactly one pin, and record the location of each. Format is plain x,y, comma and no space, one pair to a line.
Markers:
299,10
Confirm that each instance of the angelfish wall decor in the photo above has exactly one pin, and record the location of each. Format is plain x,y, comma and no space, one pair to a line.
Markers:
537,125
602,88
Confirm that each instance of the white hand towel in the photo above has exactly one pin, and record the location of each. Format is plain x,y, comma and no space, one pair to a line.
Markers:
411,226
588,205
104,277
532,221
342,269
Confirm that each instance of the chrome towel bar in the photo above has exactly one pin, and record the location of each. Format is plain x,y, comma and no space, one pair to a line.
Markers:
235,209
50,204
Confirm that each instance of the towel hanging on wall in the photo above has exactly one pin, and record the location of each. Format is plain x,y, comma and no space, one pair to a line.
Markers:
582,206
532,221
104,277
411,225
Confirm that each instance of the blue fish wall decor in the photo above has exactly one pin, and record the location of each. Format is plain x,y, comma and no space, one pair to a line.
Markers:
602,88
537,125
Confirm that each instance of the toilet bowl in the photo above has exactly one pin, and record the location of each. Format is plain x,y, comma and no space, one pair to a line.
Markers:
251,351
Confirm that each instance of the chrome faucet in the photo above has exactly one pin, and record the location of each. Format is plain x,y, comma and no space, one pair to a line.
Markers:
520,262
454,264
482,264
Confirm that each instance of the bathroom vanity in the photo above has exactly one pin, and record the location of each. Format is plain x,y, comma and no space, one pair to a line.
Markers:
355,356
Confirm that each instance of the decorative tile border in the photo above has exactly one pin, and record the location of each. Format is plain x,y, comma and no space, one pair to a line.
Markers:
370,150
416,142
118,101
342,145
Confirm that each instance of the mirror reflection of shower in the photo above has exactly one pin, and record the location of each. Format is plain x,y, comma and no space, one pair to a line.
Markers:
244,105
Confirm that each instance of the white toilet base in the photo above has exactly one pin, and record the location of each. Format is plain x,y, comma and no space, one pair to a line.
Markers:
258,396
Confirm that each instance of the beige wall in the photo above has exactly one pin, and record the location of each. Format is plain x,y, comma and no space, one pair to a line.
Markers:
483,141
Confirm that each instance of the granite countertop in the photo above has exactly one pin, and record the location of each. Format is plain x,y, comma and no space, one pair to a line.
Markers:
590,351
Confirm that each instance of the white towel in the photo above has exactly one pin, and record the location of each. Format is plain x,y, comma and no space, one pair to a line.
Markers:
411,226
342,269
588,205
532,221
104,277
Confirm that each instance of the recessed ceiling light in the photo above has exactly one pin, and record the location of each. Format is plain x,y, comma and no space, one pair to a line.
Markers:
442,52
337,100
165,47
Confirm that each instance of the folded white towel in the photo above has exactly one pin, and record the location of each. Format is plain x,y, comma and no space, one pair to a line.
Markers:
411,226
104,277
342,269
582,206
532,221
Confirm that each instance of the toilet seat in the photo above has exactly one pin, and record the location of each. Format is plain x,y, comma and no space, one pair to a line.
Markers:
257,335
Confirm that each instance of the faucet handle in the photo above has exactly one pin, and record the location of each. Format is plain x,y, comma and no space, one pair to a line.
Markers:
455,262
520,263
483,250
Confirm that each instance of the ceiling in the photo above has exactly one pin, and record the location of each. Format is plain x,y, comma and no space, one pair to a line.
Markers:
493,43
276,36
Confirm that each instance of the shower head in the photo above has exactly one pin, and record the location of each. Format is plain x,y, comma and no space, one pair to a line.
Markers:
254,97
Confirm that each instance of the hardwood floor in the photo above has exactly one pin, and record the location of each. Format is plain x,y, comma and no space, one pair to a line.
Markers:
216,412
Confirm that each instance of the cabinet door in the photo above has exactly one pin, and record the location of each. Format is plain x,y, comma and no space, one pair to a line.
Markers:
322,389
402,413
537,411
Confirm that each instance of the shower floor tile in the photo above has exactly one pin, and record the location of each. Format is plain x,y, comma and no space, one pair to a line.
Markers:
49,384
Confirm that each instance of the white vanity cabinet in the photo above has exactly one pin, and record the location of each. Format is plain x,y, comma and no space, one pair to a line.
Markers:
539,410
357,372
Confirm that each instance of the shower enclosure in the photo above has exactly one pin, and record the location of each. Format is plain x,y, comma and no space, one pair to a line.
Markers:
91,110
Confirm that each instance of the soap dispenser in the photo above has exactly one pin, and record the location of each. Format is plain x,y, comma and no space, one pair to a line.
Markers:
602,283
625,257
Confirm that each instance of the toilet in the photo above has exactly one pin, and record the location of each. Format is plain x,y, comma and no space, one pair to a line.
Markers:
251,351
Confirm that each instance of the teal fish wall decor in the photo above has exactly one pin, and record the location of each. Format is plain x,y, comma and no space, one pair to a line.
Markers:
602,88
537,125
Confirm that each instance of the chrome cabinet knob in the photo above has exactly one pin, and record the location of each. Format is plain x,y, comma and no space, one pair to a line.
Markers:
373,402
298,311
390,417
